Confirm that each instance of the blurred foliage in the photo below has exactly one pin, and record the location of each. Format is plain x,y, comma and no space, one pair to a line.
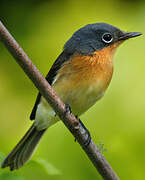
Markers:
49,168
118,120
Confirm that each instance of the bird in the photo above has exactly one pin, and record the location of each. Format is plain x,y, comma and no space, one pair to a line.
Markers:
80,76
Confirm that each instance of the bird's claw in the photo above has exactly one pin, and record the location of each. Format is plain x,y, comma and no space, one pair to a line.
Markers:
87,142
67,108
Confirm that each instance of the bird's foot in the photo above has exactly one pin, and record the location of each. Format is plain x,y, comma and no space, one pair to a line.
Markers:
87,142
67,109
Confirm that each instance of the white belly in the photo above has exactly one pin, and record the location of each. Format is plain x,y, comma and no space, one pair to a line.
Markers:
79,99
45,115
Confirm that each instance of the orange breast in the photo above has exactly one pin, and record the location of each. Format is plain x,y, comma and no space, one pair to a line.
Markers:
85,70
82,80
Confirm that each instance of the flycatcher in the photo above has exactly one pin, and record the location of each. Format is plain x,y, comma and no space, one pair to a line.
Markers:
80,77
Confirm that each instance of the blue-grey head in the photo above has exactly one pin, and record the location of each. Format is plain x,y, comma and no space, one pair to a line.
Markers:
94,37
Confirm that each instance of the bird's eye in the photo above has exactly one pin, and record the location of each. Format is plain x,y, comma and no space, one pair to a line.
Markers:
107,38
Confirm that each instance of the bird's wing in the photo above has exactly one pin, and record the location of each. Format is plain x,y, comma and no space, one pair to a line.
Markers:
63,57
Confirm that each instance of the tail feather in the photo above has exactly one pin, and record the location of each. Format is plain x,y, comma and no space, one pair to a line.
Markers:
24,149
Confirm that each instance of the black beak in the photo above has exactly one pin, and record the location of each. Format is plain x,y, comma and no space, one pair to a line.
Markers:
128,35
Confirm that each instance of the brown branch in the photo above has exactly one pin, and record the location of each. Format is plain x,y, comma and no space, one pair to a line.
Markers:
70,121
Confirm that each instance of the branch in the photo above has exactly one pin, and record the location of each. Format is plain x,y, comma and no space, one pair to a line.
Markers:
70,121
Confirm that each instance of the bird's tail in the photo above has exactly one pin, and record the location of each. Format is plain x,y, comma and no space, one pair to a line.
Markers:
24,149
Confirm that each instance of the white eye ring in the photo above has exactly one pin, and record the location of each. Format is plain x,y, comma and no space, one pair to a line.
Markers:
107,38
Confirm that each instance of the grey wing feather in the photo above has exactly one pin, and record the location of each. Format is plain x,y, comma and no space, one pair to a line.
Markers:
63,57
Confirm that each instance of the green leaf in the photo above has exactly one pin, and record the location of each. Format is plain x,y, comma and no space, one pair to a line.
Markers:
10,176
48,167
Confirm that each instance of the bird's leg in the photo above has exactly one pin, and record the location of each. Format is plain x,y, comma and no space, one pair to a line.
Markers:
67,108
87,142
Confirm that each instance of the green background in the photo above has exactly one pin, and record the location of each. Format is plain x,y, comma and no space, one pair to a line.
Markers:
118,120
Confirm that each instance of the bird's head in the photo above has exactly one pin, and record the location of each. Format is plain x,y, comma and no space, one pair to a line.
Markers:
95,37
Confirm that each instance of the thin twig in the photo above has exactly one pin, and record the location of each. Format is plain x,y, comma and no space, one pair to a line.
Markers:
68,119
